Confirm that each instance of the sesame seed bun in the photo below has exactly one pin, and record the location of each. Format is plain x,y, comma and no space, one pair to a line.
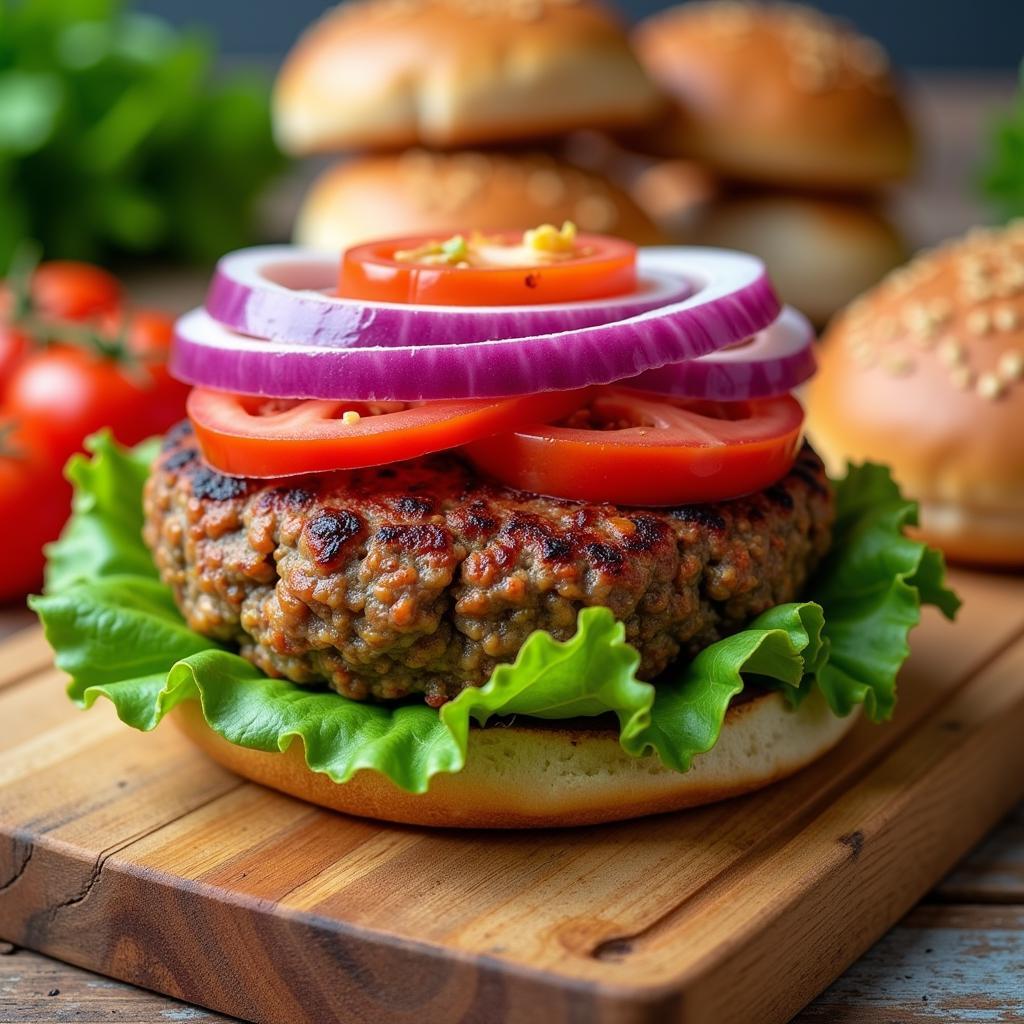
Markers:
675,193
777,94
446,73
421,193
554,774
926,373
821,253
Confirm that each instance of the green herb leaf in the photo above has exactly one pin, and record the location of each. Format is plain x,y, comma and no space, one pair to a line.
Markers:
116,128
29,105
1002,175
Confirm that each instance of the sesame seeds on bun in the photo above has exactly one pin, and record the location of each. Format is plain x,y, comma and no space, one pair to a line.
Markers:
926,373
420,193
446,73
776,94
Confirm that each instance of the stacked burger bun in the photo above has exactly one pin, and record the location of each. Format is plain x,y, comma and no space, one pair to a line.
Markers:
799,118
926,373
446,112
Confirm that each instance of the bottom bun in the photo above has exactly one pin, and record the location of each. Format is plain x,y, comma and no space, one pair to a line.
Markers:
551,775
973,534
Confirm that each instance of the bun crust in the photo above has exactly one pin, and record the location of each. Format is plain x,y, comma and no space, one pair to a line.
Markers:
421,193
926,373
821,253
446,73
553,774
776,94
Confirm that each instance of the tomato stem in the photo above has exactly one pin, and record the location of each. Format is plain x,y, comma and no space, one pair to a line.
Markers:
43,332
19,278
8,450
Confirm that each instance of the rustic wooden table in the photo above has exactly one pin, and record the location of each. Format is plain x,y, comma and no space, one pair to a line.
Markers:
957,957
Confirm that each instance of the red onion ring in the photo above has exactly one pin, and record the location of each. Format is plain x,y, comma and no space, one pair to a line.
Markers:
772,363
281,293
733,299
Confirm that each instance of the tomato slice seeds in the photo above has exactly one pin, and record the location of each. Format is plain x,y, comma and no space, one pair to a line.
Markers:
246,436
599,268
600,444
631,449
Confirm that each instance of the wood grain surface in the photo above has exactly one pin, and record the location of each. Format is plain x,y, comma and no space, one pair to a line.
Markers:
959,967
995,874
36,988
134,856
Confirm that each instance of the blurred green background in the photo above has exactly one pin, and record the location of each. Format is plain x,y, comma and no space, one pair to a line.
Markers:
120,136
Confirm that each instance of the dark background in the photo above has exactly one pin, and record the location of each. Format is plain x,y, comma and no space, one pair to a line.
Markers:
948,34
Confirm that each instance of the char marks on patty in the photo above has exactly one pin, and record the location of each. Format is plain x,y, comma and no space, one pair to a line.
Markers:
422,576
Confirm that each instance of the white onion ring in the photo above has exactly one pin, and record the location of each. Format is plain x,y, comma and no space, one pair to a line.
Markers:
732,299
773,362
281,293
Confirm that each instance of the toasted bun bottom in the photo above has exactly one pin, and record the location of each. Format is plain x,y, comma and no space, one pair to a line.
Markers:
552,775
974,535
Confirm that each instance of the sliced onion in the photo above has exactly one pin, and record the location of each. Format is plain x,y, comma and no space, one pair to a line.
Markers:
282,293
771,363
732,300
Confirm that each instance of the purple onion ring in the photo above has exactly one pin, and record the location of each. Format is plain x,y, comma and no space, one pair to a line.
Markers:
732,299
281,293
773,362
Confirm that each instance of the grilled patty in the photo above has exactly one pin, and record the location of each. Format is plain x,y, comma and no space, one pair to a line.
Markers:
422,576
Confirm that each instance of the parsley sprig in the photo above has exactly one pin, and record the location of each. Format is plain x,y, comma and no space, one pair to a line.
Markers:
117,138
1002,177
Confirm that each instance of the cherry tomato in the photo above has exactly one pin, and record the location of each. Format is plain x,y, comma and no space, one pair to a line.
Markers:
632,449
34,503
605,266
67,290
150,333
72,392
14,347
249,436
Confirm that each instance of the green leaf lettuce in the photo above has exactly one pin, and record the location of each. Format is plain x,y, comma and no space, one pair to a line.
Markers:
118,634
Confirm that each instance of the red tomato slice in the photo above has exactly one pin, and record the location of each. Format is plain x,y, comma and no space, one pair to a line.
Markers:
247,436
606,266
631,449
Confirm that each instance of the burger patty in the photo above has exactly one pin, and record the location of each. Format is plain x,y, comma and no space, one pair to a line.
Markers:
421,577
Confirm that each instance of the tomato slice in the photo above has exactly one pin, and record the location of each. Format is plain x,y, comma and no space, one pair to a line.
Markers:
603,267
632,449
248,436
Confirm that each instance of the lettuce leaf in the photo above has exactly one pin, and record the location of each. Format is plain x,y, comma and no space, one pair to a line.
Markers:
872,586
103,537
117,632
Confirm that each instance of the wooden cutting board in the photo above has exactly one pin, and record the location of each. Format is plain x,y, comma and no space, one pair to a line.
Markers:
134,856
